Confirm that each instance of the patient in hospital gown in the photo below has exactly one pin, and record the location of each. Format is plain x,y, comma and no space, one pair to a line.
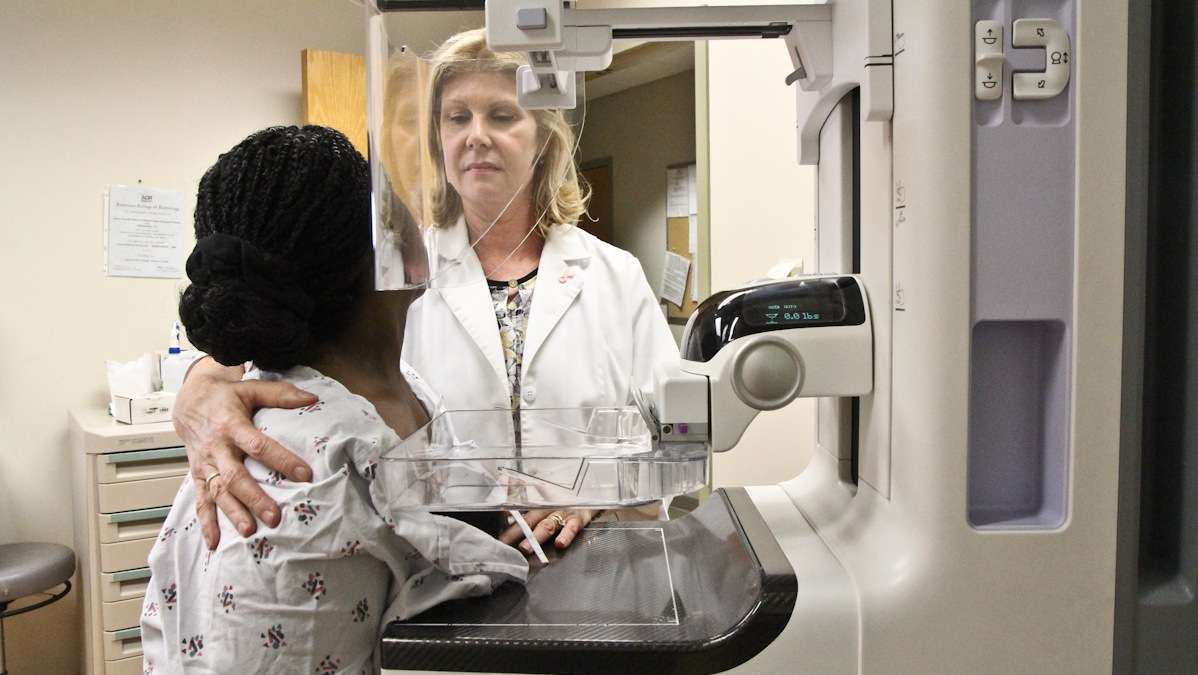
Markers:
312,594
316,589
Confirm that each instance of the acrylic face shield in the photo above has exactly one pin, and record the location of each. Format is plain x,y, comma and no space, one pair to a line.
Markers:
457,165
536,372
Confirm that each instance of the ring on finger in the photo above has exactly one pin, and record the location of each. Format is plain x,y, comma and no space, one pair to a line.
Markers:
209,477
558,518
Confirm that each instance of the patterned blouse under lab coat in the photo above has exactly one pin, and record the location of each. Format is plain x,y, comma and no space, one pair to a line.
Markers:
311,595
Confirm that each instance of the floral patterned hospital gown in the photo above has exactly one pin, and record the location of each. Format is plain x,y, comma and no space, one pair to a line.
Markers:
311,595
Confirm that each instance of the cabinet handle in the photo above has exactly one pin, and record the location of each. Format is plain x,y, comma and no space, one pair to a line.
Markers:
131,575
140,514
126,633
145,455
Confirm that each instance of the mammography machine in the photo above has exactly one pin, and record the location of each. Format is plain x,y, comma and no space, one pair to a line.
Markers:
965,335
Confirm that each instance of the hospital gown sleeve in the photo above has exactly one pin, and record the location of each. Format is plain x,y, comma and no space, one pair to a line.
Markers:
447,558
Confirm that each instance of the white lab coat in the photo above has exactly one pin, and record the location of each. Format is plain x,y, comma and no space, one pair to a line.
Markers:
595,329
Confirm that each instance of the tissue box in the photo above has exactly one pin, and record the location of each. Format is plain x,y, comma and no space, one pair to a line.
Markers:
143,409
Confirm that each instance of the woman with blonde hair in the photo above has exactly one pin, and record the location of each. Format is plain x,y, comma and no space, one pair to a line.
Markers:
523,309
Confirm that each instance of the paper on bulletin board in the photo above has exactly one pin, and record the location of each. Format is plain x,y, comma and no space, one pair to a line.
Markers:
682,236
673,278
678,192
693,206
693,231
143,232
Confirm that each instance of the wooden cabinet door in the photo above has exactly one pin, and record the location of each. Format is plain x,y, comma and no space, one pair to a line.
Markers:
335,93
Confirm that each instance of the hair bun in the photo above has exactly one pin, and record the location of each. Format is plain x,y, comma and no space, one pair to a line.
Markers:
235,324
243,305
283,246
220,256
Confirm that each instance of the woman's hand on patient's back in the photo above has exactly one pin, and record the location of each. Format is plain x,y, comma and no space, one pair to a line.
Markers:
213,415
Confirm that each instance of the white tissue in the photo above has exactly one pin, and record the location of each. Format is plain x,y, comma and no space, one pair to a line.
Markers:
132,378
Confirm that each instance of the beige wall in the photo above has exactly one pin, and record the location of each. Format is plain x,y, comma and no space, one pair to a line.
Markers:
762,209
644,130
96,95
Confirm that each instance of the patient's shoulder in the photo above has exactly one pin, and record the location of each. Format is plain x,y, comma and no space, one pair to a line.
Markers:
327,430
334,403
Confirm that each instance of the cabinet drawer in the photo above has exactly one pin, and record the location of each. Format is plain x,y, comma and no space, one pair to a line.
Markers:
125,555
122,644
129,525
124,585
121,614
129,666
119,467
138,494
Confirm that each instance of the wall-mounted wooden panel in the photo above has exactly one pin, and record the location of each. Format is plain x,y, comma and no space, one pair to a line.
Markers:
335,93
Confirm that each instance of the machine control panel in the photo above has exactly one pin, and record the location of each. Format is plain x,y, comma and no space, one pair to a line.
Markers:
795,303
1024,203
989,59
762,346
1048,34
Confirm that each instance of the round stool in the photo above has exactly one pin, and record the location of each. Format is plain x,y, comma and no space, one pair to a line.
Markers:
26,569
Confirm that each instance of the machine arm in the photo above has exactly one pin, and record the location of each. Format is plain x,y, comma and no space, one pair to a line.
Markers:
562,40
759,348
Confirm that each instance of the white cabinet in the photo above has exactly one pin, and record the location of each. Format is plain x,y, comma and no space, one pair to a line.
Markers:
125,478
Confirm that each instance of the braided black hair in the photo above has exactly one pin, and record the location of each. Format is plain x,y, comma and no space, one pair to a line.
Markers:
283,247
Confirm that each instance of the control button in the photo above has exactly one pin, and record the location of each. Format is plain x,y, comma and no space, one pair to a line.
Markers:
532,18
1048,34
988,78
988,60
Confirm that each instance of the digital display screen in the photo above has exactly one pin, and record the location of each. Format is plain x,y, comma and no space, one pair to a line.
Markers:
815,301
810,309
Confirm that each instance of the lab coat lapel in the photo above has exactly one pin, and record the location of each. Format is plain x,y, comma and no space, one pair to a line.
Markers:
461,283
560,277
